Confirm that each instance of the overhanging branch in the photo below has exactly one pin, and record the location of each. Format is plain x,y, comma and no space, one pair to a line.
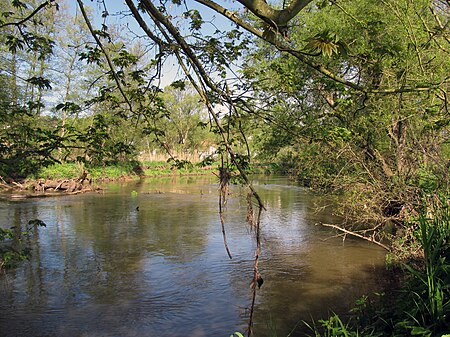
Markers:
33,13
278,17
283,46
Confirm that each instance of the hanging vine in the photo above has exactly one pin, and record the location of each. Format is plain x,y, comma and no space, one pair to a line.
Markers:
172,42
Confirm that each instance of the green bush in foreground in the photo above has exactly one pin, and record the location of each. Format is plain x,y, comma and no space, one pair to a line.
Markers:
12,248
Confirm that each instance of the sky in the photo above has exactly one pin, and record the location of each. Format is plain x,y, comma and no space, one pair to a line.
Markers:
171,70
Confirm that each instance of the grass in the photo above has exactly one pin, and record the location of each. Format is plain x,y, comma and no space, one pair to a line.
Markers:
152,169
132,169
75,170
60,171
430,283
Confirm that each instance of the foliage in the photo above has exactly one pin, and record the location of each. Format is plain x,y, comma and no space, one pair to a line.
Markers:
183,124
430,284
12,246
61,171
379,149
237,334
333,327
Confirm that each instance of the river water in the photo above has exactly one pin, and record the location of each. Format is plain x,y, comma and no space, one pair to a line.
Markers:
147,259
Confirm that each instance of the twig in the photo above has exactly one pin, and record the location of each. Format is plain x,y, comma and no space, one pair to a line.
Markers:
257,279
346,231
33,13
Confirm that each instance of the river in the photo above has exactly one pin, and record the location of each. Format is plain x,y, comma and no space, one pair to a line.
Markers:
147,259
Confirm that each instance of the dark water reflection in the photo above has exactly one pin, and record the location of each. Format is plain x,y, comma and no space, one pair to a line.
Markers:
104,268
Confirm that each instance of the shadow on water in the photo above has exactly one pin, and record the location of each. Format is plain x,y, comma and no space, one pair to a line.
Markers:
147,259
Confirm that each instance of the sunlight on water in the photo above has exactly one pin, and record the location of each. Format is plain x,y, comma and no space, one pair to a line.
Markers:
147,259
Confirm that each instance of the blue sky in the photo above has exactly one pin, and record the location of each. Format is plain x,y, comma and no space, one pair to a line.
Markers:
171,69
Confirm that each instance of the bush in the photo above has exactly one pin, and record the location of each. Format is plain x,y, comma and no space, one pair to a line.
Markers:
12,249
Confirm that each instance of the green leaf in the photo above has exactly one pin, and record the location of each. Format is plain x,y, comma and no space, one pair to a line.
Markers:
419,331
14,43
19,4
37,223
237,334
179,84
41,82
196,18
326,43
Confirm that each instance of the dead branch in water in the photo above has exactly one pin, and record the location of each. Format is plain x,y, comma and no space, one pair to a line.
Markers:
369,238
257,278
250,217
224,177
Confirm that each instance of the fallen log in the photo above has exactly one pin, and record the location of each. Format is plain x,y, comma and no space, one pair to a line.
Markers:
61,185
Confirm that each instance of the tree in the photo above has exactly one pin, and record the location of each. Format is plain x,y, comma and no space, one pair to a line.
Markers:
25,140
183,126
361,100
382,148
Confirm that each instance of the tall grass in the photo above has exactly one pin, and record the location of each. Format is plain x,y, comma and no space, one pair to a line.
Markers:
333,327
430,284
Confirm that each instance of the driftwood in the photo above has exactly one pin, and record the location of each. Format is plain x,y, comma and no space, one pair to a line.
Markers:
46,188
367,238
66,185
20,196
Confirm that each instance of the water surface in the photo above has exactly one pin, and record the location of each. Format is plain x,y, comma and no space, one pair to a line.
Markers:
147,259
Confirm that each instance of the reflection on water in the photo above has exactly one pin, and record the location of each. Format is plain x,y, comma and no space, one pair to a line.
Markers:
121,263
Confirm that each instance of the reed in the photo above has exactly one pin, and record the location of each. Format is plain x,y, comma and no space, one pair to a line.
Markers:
334,326
430,284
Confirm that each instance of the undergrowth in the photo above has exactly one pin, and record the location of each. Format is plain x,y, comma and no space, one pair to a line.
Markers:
13,247
422,305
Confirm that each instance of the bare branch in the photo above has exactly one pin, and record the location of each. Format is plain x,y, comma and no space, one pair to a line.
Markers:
346,231
33,13
279,17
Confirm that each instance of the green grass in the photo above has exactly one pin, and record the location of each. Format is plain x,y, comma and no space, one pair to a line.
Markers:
111,172
430,284
152,169
149,169
61,171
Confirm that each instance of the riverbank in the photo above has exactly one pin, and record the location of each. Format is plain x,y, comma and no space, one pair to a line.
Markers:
74,178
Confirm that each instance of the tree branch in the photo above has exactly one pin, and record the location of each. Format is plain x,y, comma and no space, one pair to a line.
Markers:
283,46
277,17
198,67
108,59
346,231
33,13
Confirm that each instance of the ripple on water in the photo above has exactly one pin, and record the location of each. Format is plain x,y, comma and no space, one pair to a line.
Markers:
102,268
